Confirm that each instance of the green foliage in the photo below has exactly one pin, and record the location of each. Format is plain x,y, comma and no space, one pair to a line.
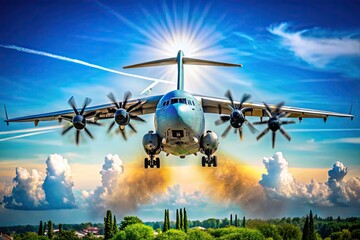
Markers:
197,234
312,235
177,224
67,235
343,235
50,228
236,233
129,220
115,228
306,230
172,234
40,231
136,231
185,221
181,220
269,231
236,221
289,231
243,223
166,221
108,229
60,228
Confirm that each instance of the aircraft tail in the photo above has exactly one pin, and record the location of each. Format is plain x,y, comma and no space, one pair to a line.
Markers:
180,60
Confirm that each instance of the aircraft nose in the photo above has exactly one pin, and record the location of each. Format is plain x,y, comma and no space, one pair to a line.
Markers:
179,116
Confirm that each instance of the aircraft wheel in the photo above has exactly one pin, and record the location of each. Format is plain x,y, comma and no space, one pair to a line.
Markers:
146,162
203,161
215,161
158,162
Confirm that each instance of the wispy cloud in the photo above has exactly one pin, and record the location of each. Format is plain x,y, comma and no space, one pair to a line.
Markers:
355,140
325,130
27,130
62,58
315,50
25,135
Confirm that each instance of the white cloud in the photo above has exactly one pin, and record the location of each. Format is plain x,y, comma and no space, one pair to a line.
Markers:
317,51
354,140
279,184
35,190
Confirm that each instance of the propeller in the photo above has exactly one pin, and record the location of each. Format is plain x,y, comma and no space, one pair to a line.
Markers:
124,114
275,123
237,116
79,120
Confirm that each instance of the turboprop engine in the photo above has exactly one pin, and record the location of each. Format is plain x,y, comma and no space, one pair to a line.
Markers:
151,143
209,143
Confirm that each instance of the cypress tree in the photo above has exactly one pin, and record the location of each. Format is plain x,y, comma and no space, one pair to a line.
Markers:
231,223
60,228
177,219
50,227
115,228
40,231
185,221
43,233
312,235
168,220
243,223
165,227
236,221
181,220
305,235
108,227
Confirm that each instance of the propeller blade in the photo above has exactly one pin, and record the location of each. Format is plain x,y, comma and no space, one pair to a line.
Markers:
223,119
134,107
240,134
127,95
111,126
287,122
247,109
136,118
67,129
72,103
286,135
113,100
87,101
90,114
69,118
244,99
279,106
273,139
123,133
267,110
88,133
132,128
263,133
77,137
230,97
251,127
260,123
227,130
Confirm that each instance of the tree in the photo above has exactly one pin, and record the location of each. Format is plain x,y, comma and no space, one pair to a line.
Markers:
197,234
44,228
60,228
108,233
185,221
236,221
289,231
306,229
139,231
165,227
168,219
243,222
177,219
129,220
114,228
312,235
181,220
40,231
50,232
231,220
172,234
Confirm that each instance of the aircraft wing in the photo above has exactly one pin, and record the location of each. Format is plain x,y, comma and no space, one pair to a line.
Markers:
103,111
220,106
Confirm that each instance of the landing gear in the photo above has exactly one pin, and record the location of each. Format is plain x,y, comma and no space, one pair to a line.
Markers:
152,162
209,160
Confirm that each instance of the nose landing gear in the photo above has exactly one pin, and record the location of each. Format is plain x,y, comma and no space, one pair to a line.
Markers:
152,162
209,160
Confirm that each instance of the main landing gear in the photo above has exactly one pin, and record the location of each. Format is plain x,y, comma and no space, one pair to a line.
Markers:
152,162
209,160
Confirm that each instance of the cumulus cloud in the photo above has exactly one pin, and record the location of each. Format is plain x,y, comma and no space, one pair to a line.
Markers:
278,183
316,50
33,190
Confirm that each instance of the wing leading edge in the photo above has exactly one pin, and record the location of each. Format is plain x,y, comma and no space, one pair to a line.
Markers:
220,106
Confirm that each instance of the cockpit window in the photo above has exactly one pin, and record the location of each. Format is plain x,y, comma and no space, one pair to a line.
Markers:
182,100
174,100
189,102
193,103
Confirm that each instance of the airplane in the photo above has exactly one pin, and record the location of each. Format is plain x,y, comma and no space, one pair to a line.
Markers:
179,118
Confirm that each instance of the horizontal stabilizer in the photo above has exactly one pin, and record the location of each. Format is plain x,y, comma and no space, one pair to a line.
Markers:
194,61
155,63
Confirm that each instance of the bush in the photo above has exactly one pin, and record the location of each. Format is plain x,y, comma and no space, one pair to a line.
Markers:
197,234
172,234
289,232
236,233
135,231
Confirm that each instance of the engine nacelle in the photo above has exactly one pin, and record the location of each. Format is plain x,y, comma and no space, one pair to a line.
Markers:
237,118
151,143
79,122
209,143
122,117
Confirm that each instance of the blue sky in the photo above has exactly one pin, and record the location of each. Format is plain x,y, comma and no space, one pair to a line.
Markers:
306,54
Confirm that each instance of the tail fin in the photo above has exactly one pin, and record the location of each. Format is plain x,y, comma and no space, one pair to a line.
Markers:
6,115
180,60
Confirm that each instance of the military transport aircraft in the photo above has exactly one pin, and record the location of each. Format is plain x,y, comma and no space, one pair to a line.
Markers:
179,116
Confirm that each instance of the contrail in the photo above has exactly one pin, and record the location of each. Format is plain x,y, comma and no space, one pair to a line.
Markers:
25,135
27,130
45,54
324,130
